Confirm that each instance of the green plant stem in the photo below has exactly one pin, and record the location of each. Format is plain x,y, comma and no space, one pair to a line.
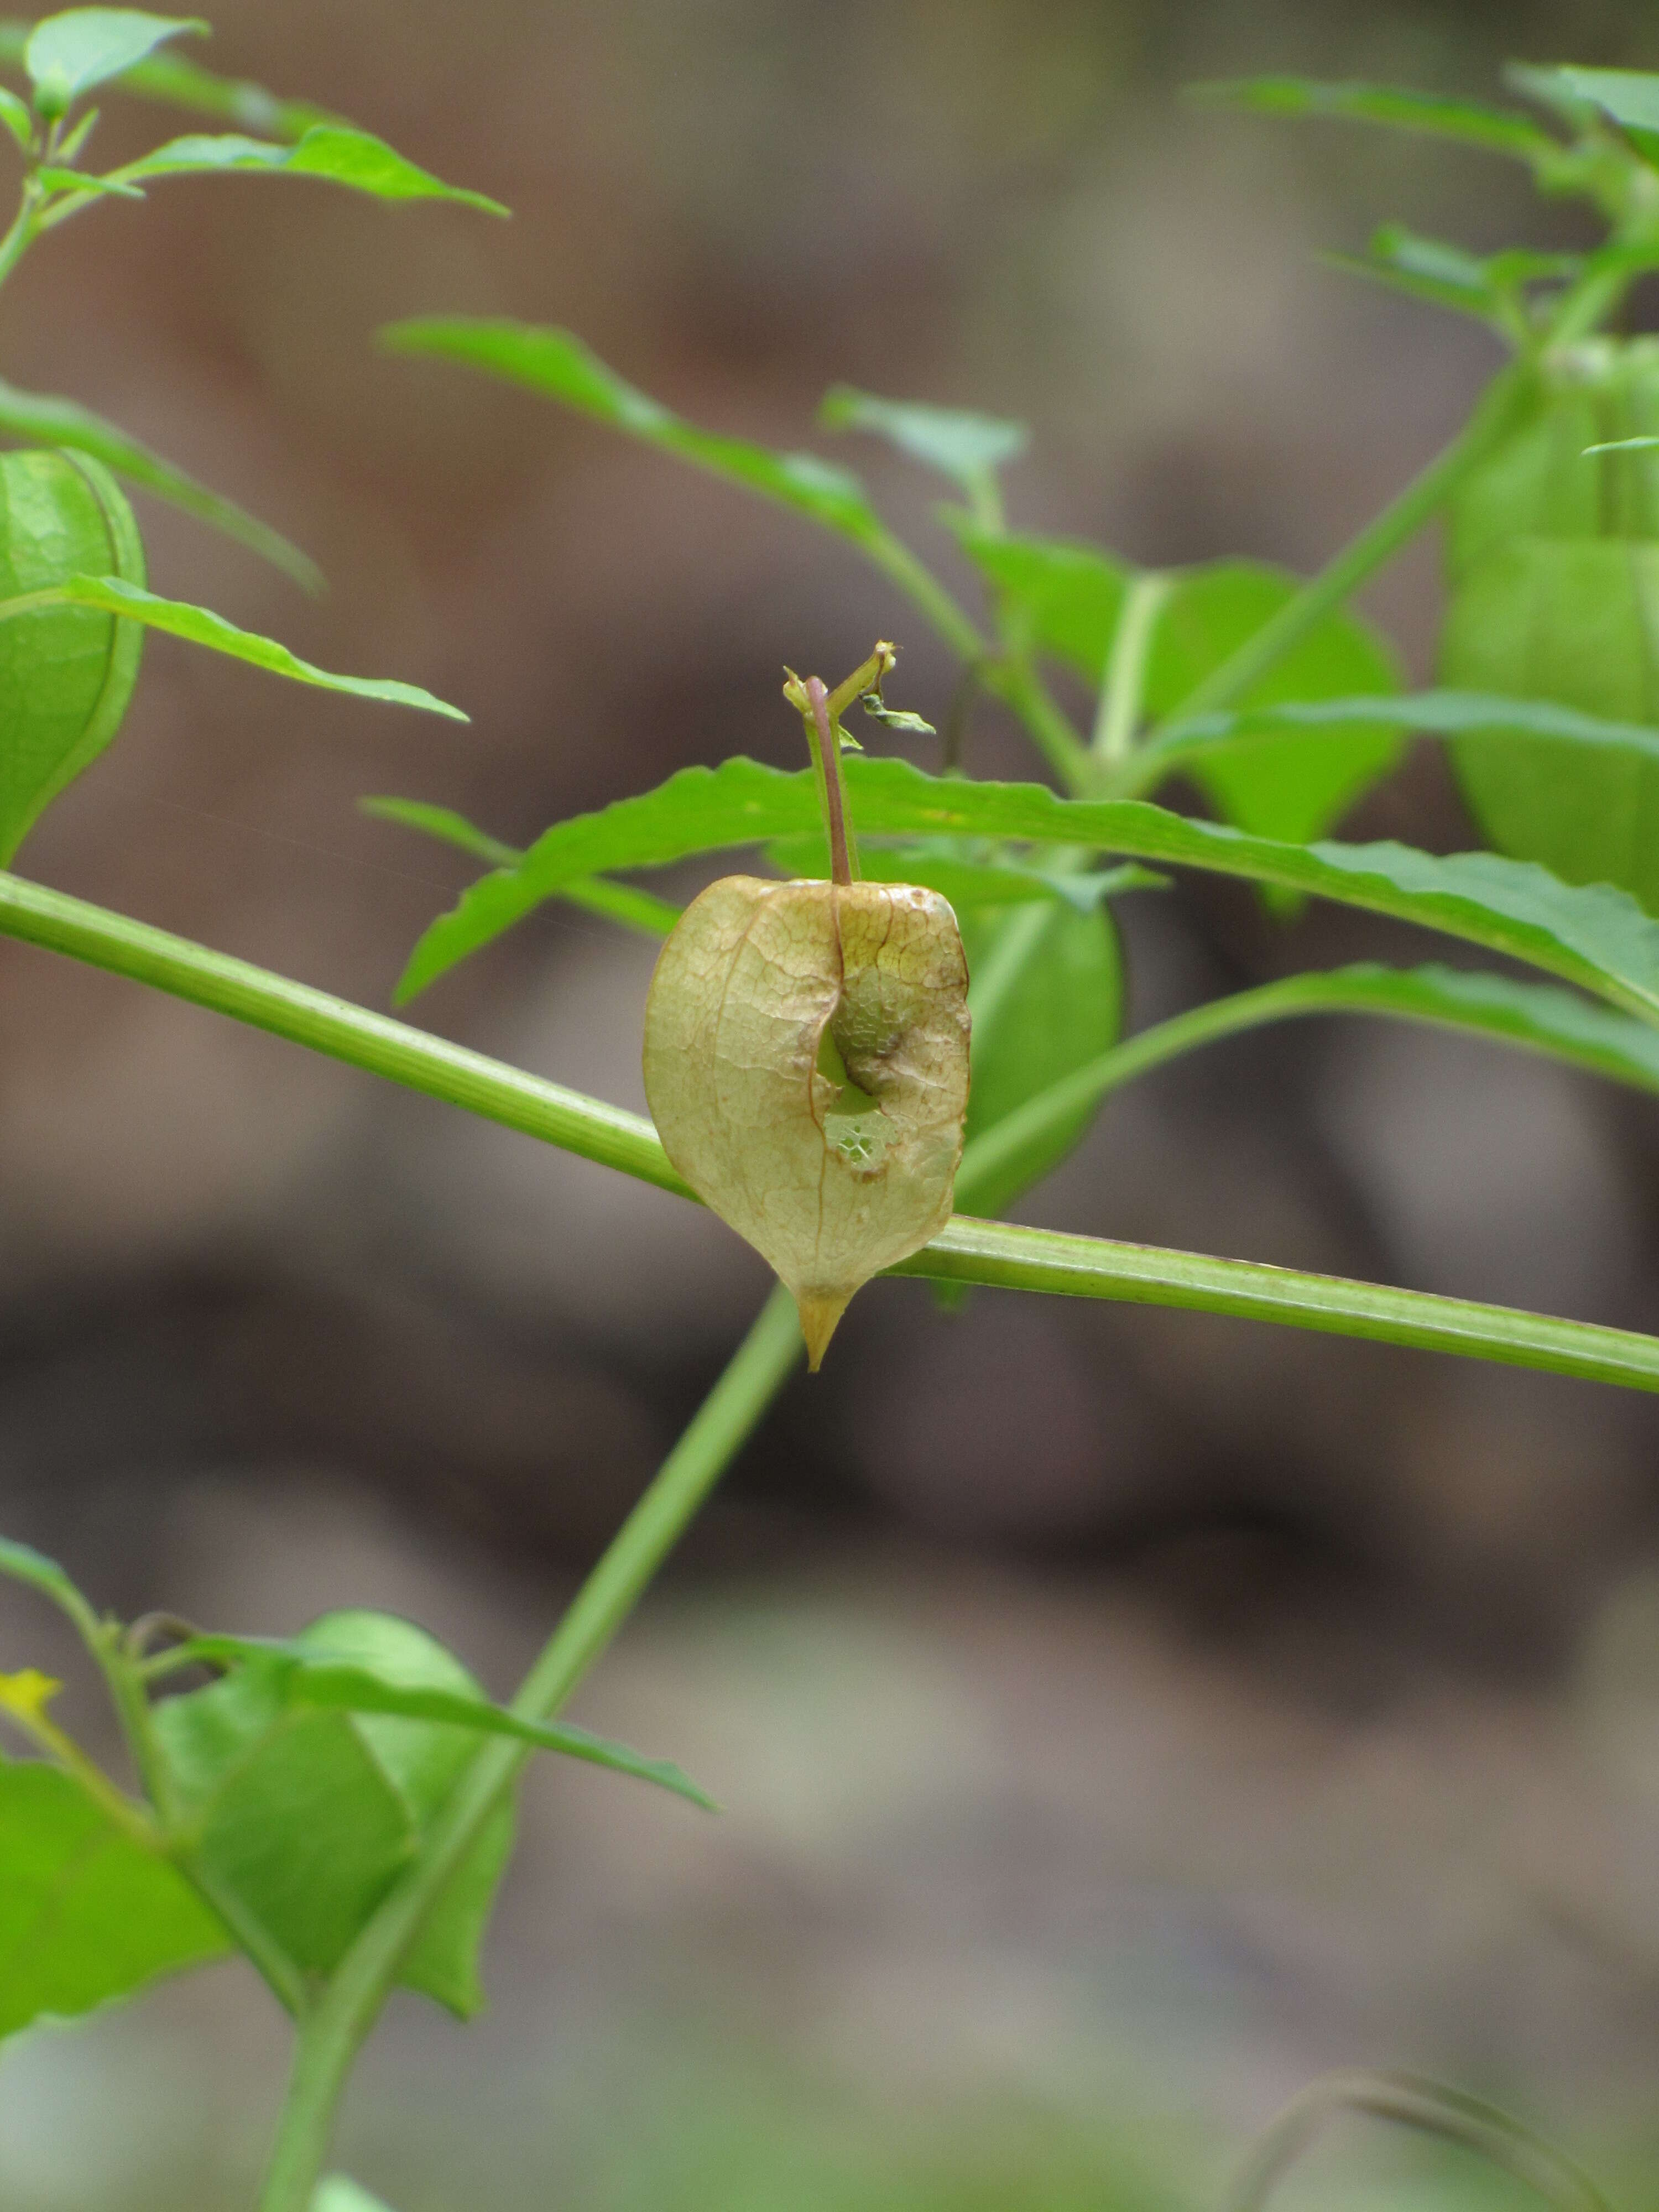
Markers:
1125,684
966,1251
335,1027
21,236
1380,540
1002,1257
330,2036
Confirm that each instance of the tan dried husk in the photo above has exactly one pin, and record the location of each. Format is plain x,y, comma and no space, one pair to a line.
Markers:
766,996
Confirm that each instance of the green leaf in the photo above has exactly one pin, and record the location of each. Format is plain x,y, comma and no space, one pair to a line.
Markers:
1535,1017
87,1913
1629,98
1056,595
199,626
21,1563
619,902
15,114
967,448
1435,714
1597,938
1577,621
1046,997
67,55
1286,786
1500,131
1067,600
307,1815
331,151
312,1672
557,365
969,881
57,181
164,76
67,671
48,420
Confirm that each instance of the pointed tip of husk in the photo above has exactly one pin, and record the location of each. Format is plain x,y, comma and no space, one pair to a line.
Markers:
819,1313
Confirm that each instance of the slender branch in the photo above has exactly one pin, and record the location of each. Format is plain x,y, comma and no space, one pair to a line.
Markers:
1379,541
1010,1259
966,1251
329,2038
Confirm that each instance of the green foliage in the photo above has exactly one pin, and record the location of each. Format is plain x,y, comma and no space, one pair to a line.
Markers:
199,626
87,1913
1597,938
336,2194
305,1816
332,152
166,76
1067,600
70,54
66,672
1047,998
1554,565
1466,122
317,1671
43,420
557,365
967,448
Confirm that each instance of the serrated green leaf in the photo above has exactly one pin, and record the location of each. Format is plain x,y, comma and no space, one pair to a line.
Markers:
332,152
67,55
1575,620
199,626
87,1913
967,448
312,1672
1471,123
619,902
15,114
66,672
968,882
557,365
307,1815
1595,937
46,420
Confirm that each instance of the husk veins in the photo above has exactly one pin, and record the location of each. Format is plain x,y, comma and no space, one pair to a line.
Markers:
806,1066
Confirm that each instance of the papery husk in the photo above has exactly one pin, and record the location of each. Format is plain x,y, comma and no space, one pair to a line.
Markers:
829,1183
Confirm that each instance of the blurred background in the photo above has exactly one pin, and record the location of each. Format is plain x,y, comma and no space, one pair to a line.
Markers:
1121,1716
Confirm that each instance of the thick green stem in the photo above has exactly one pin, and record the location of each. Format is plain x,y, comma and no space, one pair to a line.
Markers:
1379,541
330,2036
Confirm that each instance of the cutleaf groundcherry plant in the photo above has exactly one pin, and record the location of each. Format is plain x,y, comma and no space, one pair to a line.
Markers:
864,1048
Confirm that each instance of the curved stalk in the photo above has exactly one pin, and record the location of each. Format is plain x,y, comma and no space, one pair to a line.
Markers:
333,2032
